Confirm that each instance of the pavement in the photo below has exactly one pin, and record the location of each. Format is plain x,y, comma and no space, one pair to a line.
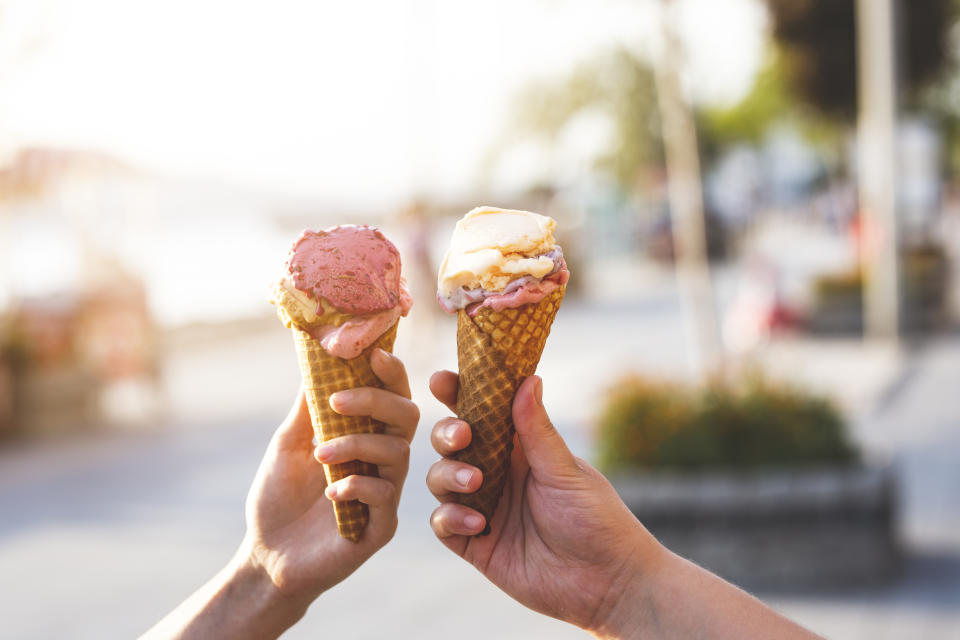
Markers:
102,535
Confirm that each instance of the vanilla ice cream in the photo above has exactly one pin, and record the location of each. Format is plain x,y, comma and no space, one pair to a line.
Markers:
500,257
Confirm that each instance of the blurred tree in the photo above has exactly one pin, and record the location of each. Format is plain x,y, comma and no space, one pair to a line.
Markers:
769,101
619,84
809,78
818,41
940,99
748,120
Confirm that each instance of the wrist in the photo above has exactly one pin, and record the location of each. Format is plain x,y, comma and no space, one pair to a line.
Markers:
632,602
267,611
240,602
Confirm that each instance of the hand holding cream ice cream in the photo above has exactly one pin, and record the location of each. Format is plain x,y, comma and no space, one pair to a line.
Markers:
504,276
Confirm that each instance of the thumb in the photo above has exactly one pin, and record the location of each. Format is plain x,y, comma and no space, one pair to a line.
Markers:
296,431
545,450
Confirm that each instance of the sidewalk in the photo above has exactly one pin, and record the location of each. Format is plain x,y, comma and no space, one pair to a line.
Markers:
917,417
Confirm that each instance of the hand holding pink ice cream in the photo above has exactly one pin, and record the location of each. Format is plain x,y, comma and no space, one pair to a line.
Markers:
342,296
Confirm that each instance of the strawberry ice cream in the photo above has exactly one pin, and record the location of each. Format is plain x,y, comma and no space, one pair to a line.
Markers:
343,287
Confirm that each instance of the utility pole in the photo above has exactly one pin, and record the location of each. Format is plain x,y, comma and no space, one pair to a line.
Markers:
877,171
685,197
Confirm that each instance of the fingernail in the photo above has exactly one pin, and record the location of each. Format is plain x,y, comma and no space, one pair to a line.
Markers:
472,522
464,476
331,491
450,431
538,392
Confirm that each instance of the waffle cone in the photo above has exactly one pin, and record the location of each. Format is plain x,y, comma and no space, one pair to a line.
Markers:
496,351
323,375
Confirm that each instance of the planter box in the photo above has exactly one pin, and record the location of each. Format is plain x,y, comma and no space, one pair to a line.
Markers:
776,528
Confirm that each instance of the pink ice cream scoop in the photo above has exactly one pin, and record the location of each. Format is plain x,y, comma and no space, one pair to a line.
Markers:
357,271
354,268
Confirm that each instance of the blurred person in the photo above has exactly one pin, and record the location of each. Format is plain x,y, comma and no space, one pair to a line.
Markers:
563,543
292,552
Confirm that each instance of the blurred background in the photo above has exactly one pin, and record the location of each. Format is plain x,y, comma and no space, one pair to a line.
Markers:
758,201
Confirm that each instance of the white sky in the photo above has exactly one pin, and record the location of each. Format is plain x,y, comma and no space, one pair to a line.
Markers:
361,101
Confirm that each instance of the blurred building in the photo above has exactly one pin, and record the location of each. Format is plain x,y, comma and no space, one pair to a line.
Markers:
76,321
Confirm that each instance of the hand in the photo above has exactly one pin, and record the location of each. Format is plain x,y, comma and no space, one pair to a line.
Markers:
291,529
561,542
292,551
564,544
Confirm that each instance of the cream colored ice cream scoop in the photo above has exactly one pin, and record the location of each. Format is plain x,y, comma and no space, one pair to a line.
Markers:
490,247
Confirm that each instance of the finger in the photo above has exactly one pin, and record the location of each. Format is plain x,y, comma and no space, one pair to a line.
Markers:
296,430
377,493
448,477
544,448
450,435
398,413
443,386
391,454
451,519
389,368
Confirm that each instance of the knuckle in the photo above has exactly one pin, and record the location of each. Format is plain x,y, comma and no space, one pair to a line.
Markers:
543,424
388,492
415,413
391,361
440,522
436,520
347,485
436,475
402,450
391,528
343,446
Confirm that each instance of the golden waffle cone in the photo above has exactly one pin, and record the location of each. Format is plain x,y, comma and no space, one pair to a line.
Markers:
496,351
323,375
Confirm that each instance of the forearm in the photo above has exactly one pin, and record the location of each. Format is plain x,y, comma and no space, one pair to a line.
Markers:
678,599
239,602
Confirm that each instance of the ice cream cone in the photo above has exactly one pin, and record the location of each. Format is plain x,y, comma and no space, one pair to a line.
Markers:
323,375
342,295
496,350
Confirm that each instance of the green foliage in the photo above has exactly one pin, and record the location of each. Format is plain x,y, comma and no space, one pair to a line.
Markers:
808,81
646,424
768,102
624,88
619,85
748,120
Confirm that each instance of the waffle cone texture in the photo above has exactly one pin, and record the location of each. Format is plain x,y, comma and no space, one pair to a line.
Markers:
496,351
324,375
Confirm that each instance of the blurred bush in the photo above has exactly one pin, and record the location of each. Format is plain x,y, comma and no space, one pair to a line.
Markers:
14,358
924,279
650,424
